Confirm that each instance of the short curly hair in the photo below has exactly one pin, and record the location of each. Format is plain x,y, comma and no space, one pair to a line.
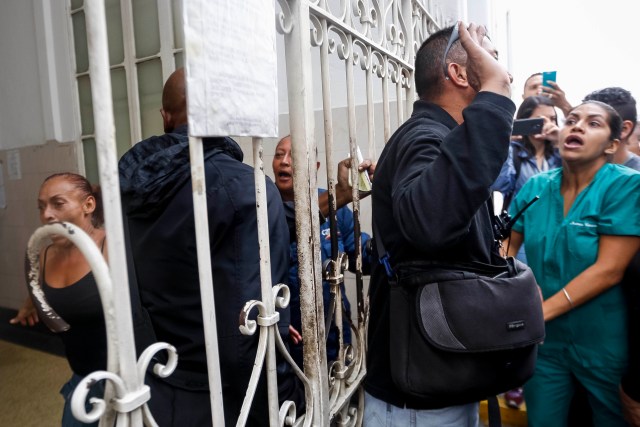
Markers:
620,99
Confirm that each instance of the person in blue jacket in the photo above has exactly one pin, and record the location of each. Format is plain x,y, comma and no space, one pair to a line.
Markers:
283,172
530,154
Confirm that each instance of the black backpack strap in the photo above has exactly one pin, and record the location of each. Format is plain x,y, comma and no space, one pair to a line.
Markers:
493,411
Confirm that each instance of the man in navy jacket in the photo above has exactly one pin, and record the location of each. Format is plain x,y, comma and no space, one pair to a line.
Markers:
155,180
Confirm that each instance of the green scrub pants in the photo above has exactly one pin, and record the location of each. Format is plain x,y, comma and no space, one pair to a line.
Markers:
549,392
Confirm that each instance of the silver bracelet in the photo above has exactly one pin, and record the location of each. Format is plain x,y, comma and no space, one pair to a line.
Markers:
566,294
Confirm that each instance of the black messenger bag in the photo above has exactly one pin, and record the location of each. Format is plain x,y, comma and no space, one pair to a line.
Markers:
462,333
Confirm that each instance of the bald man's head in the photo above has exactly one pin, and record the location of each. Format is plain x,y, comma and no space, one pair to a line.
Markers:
174,101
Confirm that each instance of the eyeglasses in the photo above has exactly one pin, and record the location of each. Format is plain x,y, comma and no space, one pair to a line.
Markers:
452,39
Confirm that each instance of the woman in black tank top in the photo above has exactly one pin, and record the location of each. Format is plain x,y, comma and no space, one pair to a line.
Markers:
68,283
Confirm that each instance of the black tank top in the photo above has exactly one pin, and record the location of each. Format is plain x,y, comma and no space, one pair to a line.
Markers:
79,305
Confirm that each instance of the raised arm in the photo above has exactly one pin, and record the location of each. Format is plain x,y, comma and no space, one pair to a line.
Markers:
557,95
484,72
441,183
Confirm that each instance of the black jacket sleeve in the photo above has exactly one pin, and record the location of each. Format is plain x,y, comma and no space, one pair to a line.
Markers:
440,184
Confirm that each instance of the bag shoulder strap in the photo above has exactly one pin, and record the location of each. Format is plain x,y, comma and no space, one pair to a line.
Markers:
493,412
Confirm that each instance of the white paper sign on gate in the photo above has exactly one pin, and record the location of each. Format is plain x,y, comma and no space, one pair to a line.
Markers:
231,67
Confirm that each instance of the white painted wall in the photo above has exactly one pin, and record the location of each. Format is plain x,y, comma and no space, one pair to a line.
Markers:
36,124
56,70
21,118
36,94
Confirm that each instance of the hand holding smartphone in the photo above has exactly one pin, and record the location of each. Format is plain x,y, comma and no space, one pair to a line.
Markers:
527,126
548,76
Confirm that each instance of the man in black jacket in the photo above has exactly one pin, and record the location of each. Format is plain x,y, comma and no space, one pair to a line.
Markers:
430,199
155,180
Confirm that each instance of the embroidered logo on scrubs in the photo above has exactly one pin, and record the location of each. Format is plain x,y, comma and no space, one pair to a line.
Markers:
582,224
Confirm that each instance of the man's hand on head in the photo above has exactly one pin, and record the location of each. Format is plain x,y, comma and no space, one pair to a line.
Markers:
484,72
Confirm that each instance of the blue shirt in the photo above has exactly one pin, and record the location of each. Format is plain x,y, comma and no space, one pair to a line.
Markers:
510,181
346,244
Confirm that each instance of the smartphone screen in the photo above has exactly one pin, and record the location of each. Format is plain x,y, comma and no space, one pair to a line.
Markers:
546,76
527,126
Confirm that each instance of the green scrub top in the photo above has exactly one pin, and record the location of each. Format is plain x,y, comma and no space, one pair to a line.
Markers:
559,248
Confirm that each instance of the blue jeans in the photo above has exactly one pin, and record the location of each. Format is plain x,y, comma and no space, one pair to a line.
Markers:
68,420
382,414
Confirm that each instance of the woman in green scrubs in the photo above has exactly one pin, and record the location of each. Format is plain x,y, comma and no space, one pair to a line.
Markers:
579,238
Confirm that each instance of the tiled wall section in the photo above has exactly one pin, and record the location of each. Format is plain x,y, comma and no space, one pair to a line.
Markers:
20,217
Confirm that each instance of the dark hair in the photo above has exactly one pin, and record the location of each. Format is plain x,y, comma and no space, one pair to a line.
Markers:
620,99
524,112
81,183
530,77
614,120
428,67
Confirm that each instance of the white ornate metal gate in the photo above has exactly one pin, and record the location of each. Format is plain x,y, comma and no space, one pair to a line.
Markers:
375,38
